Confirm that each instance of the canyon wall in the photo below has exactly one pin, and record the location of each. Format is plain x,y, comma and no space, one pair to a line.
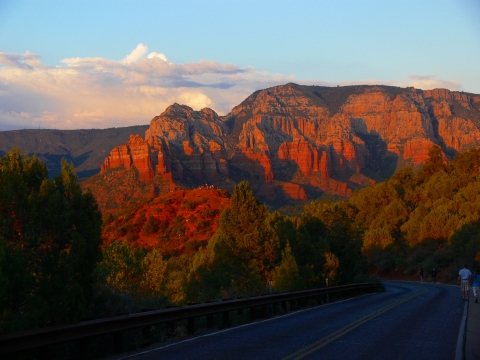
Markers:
296,142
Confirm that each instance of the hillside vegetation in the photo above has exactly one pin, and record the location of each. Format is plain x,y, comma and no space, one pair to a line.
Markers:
428,218
160,253
179,221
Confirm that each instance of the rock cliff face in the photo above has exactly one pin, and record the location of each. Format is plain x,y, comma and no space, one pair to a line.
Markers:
294,142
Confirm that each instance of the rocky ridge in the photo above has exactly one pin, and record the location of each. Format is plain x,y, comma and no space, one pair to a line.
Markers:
296,142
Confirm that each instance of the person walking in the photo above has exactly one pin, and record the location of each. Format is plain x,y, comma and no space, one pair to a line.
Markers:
465,276
476,284
434,275
420,273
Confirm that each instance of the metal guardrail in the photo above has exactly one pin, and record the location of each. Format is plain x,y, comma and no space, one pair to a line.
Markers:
40,338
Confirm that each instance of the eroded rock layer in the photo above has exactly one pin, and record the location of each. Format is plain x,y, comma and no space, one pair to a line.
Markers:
290,141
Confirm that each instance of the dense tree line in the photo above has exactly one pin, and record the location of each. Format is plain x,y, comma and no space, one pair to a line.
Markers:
49,245
426,218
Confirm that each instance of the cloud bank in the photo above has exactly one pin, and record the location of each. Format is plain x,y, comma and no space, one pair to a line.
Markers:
101,93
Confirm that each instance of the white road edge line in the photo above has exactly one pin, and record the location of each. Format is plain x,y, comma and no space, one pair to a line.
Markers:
419,283
237,327
461,334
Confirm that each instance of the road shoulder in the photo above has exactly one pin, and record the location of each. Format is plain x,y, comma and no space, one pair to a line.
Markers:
472,345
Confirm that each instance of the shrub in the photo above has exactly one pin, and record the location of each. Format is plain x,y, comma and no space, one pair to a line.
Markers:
151,226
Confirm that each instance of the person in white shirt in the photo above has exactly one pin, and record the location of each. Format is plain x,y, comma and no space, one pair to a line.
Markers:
465,277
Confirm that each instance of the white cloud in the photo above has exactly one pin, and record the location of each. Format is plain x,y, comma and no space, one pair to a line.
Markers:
428,82
157,55
99,93
196,101
21,61
135,55
422,77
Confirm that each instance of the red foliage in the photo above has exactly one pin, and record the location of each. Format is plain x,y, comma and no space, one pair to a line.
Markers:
177,217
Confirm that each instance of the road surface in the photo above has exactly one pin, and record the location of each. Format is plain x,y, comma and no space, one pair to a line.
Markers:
409,321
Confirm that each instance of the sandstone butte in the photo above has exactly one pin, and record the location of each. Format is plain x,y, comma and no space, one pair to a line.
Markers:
291,142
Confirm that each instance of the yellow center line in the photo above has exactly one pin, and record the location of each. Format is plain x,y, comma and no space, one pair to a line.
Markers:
300,354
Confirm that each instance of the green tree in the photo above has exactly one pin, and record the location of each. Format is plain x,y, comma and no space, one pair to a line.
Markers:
465,245
51,230
121,267
286,276
309,248
433,164
153,274
246,247
343,236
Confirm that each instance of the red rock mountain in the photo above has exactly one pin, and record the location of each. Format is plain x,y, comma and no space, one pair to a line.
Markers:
295,142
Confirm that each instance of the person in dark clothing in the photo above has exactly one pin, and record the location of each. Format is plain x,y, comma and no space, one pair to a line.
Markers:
476,284
434,275
421,275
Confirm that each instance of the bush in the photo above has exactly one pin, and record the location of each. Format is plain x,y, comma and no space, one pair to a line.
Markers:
121,231
151,226
177,227
209,213
190,205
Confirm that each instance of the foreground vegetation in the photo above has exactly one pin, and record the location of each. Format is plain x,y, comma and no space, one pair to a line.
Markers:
49,245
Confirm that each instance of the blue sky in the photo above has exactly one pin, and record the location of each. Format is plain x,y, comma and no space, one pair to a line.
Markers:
83,64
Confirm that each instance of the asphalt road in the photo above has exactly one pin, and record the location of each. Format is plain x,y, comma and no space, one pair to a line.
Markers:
409,321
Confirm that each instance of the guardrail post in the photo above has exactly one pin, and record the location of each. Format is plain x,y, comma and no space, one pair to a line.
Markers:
170,329
240,314
252,313
117,342
284,306
190,325
210,321
146,334
264,311
226,319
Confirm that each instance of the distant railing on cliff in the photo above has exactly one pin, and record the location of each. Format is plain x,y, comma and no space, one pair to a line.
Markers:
41,339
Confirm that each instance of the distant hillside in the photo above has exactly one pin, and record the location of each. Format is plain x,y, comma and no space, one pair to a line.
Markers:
86,149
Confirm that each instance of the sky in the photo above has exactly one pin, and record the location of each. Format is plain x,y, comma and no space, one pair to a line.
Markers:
97,64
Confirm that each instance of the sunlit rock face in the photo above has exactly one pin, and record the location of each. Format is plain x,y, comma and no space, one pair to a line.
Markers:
290,141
